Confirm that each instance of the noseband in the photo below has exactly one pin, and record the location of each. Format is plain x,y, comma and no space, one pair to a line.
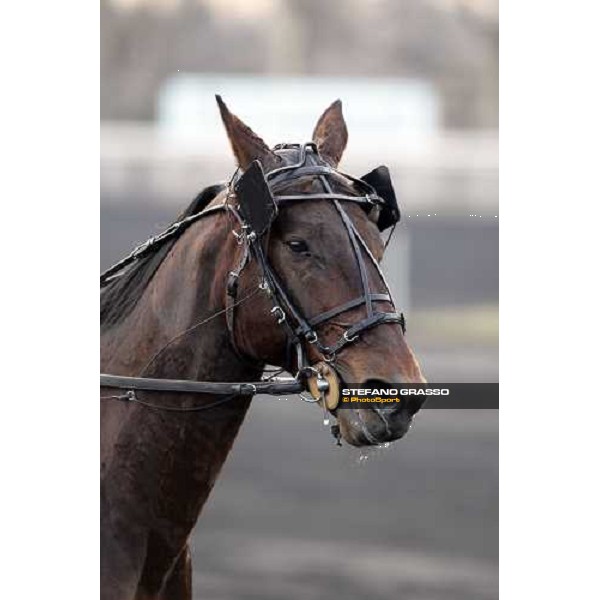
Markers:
257,206
258,203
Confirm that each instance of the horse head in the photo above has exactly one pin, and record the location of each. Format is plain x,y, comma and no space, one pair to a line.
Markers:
309,236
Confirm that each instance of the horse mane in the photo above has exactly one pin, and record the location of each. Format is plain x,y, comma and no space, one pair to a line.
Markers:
120,295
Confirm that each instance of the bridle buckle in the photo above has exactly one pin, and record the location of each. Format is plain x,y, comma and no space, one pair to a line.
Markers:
265,287
350,339
312,337
239,237
279,314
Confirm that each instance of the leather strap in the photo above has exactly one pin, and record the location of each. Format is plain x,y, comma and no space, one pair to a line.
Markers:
184,386
334,312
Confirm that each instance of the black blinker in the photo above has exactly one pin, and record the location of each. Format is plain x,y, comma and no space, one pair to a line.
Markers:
379,179
257,205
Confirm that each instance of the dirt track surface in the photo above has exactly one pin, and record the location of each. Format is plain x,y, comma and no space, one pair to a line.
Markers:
293,516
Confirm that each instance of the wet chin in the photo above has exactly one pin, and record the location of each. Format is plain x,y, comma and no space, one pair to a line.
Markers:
365,427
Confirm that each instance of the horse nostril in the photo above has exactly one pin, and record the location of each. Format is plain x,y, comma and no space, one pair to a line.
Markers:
413,405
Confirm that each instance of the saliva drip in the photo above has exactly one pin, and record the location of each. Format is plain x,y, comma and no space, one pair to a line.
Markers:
369,452
325,413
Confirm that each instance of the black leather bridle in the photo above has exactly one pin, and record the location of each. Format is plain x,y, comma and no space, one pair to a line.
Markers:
257,208
254,202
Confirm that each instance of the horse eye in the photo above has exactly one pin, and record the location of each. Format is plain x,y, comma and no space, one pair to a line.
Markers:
298,246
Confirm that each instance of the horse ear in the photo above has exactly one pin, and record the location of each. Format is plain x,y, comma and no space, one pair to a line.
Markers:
331,133
246,145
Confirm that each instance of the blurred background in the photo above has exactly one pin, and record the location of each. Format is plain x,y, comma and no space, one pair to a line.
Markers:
293,516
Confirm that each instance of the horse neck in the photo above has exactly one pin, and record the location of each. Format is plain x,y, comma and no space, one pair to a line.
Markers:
188,287
174,457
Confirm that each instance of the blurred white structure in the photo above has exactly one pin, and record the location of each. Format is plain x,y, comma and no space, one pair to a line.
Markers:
384,113
390,121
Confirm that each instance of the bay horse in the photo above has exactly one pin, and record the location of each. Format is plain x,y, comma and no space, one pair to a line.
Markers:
282,269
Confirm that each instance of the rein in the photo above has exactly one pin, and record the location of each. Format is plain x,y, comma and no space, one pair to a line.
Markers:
256,209
279,385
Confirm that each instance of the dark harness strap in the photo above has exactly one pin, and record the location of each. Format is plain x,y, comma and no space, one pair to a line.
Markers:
184,386
334,312
150,245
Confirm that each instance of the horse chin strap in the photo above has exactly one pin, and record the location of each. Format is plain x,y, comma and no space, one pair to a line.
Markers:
300,330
